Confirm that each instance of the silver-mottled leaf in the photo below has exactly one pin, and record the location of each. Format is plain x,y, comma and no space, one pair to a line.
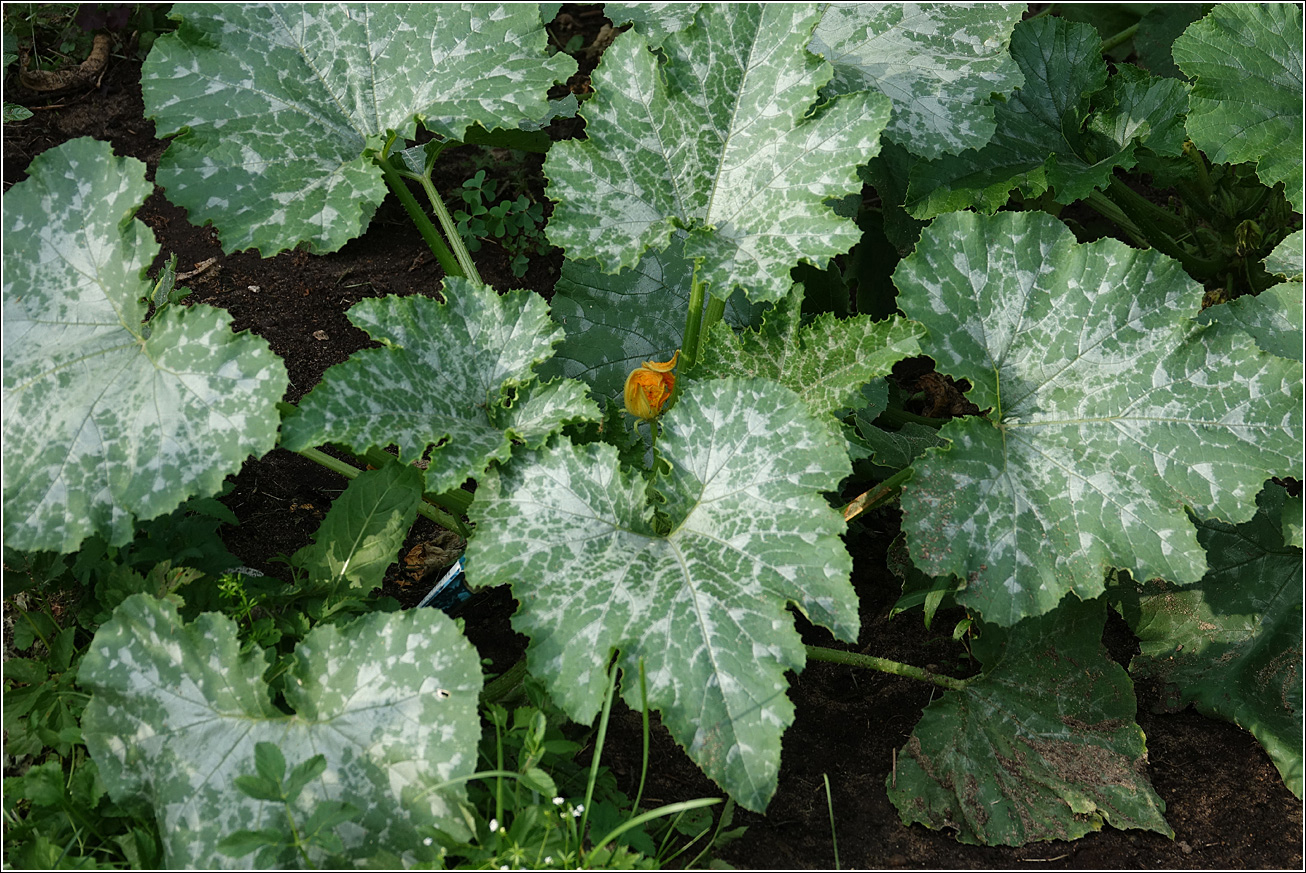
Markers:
446,378
109,421
825,362
277,104
938,62
176,710
703,605
723,141
1110,412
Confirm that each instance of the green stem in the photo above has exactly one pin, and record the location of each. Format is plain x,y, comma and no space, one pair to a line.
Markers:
653,442
599,739
1148,218
504,688
902,416
424,226
450,230
886,492
1138,205
1103,205
349,471
1194,156
693,323
712,313
1120,38
884,665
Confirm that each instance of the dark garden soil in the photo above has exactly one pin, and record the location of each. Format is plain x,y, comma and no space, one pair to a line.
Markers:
1225,800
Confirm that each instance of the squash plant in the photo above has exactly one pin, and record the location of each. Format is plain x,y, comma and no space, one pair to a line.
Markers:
1126,439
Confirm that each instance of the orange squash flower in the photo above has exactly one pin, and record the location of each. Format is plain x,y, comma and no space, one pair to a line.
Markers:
648,388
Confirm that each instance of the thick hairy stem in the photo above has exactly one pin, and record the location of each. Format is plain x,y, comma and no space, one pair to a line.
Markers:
450,230
884,665
424,226
693,324
349,471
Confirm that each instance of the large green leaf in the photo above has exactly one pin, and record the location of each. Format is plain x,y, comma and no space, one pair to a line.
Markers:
1273,317
721,140
1042,139
176,710
938,63
277,104
826,362
615,322
455,377
1247,103
1110,412
1041,746
1232,644
697,594
108,420
361,535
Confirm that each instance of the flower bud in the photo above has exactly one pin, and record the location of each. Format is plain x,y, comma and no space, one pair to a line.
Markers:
648,388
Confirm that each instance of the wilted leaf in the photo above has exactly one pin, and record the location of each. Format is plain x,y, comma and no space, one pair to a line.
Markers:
1041,746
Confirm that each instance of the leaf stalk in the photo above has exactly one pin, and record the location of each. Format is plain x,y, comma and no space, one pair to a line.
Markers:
884,665
434,241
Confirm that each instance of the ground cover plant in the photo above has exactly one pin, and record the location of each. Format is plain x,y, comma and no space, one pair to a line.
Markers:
683,432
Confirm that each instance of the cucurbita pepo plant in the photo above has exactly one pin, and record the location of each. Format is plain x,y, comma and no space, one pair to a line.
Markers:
1127,435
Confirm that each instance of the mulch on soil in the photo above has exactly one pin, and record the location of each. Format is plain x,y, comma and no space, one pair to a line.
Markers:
1225,800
